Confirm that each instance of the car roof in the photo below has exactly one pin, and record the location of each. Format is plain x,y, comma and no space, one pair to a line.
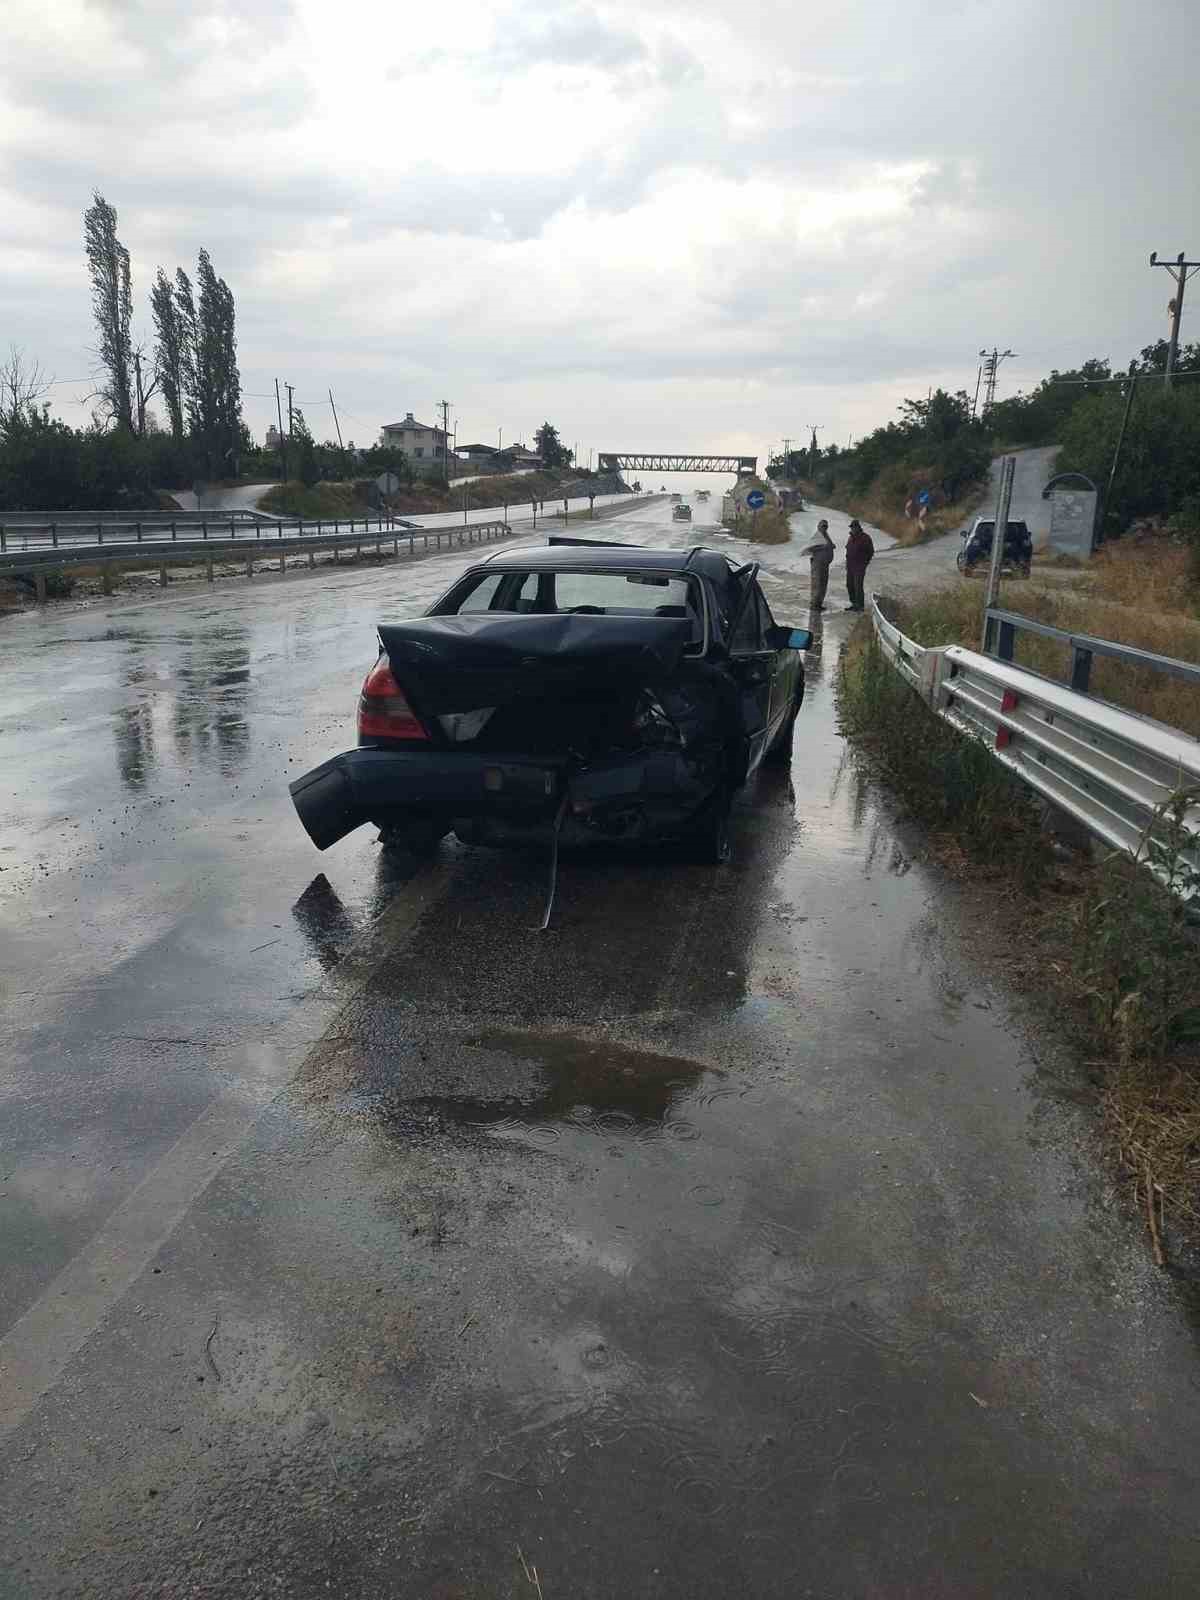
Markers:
599,555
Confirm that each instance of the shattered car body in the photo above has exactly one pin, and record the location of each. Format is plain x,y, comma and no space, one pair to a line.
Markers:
612,691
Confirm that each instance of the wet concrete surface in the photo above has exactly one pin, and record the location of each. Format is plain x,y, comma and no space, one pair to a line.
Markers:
732,1237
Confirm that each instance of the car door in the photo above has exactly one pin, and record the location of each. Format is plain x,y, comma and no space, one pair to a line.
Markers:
753,665
783,668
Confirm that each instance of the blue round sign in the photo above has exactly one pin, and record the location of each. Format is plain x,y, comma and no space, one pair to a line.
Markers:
756,499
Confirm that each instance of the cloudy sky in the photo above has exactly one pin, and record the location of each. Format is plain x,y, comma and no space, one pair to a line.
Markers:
663,224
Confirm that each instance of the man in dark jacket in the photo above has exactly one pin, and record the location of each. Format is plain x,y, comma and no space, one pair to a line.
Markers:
820,557
859,550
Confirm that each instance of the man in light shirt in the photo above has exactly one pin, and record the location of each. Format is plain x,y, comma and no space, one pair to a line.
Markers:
820,558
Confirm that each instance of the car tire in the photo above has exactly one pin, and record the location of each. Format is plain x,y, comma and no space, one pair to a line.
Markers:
780,752
708,837
415,836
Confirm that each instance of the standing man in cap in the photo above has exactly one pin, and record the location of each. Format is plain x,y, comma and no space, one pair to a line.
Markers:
859,550
820,558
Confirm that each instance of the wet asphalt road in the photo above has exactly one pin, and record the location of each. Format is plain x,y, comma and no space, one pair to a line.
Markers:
730,1238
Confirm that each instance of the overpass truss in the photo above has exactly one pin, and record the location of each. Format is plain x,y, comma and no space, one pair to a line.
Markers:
661,461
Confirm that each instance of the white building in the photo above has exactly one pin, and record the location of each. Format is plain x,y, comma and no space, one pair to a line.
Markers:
424,445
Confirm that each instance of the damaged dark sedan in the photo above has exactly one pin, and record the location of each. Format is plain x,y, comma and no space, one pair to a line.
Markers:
610,692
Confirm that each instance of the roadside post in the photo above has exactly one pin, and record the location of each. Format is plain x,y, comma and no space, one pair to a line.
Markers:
756,500
999,529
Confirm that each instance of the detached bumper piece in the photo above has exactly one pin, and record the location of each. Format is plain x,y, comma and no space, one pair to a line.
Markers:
386,785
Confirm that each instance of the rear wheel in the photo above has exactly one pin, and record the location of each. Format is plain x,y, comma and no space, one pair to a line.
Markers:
416,835
708,840
780,752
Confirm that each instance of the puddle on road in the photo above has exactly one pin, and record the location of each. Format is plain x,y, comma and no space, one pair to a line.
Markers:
595,1086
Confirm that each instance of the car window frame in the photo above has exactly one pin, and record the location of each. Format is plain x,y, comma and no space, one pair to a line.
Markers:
450,606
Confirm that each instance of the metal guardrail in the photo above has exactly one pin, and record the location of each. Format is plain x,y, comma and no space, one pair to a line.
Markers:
278,545
1001,635
24,536
1111,770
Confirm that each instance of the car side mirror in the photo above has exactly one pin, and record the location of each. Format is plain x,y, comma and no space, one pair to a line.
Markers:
783,638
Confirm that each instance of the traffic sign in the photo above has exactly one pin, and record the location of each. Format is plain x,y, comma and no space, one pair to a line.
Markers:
756,499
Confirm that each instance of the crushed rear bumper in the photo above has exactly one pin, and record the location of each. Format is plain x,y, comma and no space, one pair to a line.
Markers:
504,795
384,785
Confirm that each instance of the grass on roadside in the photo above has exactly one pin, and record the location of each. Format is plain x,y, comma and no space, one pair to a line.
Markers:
878,509
1104,942
769,526
1117,598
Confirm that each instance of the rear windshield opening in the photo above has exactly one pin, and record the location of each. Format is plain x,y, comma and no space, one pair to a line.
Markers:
612,594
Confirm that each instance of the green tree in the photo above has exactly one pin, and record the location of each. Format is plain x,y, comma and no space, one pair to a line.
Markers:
1154,358
307,469
169,340
549,446
218,384
185,313
112,306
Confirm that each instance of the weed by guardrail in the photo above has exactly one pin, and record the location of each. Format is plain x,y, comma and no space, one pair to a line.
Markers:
1107,943
948,782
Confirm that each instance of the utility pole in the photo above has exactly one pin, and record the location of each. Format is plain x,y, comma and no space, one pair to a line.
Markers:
991,366
336,423
978,379
445,409
1181,271
282,436
787,450
999,534
814,449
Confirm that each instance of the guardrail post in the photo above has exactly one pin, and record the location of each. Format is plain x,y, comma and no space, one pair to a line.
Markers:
232,529
300,525
204,529
54,534
3,540
1081,669
172,530
99,533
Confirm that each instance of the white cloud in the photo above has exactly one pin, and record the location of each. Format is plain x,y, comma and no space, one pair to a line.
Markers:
702,222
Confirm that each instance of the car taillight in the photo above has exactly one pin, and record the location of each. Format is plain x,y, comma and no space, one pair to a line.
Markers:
383,709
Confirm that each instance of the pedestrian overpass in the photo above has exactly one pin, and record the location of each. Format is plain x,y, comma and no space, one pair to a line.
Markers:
660,461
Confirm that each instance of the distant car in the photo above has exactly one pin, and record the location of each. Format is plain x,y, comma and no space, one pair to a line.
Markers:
977,547
608,691
703,494
676,498
682,513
